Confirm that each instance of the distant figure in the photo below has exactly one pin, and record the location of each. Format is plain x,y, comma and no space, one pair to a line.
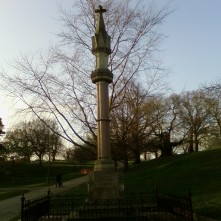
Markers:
58,180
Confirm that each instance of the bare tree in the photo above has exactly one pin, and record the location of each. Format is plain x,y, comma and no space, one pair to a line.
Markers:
17,144
3,150
58,86
213,92
165,127
33,138
130,121
196,116
1,127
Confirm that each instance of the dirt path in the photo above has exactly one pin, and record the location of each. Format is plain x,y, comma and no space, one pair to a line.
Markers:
11,207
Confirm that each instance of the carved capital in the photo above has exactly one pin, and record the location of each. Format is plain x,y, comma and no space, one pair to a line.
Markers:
101,74
96,50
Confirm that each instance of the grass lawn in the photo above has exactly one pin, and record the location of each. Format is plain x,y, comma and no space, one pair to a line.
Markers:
198,172
11,192
18,178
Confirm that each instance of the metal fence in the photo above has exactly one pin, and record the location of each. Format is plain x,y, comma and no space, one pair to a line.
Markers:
137,207
178,206
34,209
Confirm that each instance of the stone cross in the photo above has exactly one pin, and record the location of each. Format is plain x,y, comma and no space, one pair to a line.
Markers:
100,10
100,27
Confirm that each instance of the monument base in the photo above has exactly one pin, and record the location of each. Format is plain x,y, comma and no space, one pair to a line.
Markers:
104,166
105,182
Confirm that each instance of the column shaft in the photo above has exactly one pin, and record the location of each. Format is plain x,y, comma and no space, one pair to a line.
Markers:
104,152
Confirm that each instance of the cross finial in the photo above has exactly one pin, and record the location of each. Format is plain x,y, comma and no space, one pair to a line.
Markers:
100,9
101,40
100,27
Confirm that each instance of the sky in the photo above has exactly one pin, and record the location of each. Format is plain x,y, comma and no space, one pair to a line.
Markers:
191,49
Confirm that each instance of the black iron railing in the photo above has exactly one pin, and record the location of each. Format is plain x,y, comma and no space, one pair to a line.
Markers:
34,209
178,206
131,207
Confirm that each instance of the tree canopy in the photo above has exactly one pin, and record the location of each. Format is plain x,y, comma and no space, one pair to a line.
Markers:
57,84
33,138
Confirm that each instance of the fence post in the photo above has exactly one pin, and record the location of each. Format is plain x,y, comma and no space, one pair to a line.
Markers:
156,190
157,198
22,206
49,199
190,201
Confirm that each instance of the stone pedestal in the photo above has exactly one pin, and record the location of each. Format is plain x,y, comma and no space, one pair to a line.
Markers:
105,182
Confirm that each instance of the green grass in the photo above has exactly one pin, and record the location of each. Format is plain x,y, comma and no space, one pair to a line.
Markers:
18,178
22,174
198,172
5,194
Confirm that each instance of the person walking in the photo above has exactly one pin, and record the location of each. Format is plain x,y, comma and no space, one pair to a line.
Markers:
58,180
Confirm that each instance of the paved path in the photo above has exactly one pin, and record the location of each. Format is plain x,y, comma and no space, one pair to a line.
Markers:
11,207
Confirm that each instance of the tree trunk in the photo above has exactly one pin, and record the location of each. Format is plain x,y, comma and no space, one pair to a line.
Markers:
166,148
166,151
136,156
156,154
53,157
126,163
190,148
196,144
40,160
145,156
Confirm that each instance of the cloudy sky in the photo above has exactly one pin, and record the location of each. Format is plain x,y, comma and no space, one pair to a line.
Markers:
191,49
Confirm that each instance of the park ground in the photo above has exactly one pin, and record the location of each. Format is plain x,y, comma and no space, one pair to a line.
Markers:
199,173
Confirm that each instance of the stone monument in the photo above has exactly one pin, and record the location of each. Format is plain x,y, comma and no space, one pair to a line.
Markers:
104,181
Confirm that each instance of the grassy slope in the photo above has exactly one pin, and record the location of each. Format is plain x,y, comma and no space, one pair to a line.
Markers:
18,178
199,172
14,174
